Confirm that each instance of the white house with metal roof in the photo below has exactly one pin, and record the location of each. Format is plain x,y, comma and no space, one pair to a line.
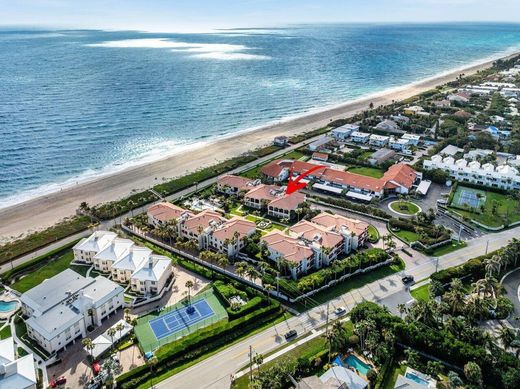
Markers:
60,309
125,261
15,373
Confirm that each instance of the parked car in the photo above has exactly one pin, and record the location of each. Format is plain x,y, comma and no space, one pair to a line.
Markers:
407,280
291,334
340,311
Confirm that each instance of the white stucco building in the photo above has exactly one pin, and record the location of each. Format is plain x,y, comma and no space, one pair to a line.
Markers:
343,133
60,309
378,140
15,373
502,176
360,137
125,261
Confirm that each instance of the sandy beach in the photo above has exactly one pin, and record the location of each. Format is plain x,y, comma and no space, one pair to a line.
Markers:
46,210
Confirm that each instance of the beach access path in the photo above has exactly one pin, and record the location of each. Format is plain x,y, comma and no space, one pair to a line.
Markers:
216,370
46,210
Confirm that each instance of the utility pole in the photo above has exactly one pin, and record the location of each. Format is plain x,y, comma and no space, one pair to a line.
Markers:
460,231
327,321
250,363
487,245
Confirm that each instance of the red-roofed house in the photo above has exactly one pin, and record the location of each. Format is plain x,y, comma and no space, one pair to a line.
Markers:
353,231
326,244
198,227
232,185
277,171
261,195
284,207
281,246
399,178
320,156
161,213
228,238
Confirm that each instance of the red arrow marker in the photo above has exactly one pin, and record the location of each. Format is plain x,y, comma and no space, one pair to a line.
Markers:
295,185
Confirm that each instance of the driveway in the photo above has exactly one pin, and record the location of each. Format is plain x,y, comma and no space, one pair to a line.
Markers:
511,283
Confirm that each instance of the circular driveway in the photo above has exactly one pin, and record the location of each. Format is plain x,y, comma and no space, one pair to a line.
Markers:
404,202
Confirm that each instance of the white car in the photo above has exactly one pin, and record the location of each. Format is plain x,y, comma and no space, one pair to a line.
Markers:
340,311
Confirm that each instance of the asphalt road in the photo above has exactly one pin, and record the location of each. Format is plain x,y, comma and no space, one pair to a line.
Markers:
511,283
215,371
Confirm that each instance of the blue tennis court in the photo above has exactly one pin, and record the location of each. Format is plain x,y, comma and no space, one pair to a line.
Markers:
180,319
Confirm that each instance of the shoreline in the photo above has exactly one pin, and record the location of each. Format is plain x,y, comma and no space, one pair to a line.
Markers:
43,211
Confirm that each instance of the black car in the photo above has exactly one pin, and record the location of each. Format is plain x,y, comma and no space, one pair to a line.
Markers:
291,334
407,280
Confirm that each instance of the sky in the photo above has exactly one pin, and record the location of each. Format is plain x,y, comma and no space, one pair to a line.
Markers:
205,15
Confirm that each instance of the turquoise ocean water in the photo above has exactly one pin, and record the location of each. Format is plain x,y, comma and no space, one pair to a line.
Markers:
77,104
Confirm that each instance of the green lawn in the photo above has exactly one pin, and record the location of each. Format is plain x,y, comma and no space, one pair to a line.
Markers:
367,171
354,282
421,293
407,236
51,269
405,207
80,269
373,234
295,154
5,332
448,248
396,369
507,210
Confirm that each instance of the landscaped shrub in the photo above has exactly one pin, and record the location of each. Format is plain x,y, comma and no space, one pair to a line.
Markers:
474,268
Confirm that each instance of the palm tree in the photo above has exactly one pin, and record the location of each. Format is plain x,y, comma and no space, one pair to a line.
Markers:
251,272
222,261
130,204
89,345
151,364
475,307
258,359
454,380
455,296
486,286
111,332
120,327
507,336
189,285
127,314
335,337
492,265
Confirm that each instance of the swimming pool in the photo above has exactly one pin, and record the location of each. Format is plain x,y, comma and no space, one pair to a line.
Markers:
416,378
7,306
357,364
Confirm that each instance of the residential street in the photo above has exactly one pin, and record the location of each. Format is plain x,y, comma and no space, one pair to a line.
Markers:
215,371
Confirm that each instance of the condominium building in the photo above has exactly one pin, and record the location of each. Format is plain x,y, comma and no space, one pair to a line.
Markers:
399,178
401,145
60,309
502,176
228,238
316,243
161,213
360,137
274,199
124,260
15,373
233,185
378,140
277,171
343,133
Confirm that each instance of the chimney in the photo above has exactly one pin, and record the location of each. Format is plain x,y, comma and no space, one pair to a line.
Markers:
150,263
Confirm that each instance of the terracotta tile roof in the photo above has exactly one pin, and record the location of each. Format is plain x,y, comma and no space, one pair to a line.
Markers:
401,174
288,202
301,167
338,223
264,192
203,219
235,181
288,247
320,156
352,180
274,168
228,229
316,233
166,211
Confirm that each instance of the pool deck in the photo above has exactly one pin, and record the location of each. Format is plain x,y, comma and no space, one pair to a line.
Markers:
8,297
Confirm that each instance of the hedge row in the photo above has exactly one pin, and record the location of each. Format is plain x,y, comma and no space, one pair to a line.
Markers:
473,268
225,291
354,206
197,344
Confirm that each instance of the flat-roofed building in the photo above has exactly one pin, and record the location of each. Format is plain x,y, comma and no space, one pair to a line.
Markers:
60,309
343,133
378,140
360,137
16,373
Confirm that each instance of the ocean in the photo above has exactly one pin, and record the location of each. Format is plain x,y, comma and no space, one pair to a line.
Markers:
78,104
